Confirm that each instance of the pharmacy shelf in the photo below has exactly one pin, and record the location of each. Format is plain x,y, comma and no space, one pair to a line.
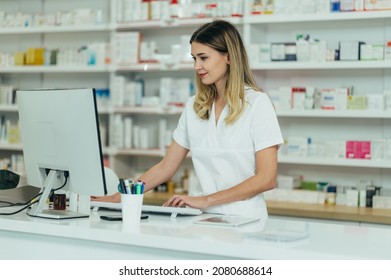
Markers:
341,16
104,110
304,210
150,152
55,29
364,114
170,23
297,65
153,66
283,159
334,161
54,69
149,110
14,108
11,147
8,108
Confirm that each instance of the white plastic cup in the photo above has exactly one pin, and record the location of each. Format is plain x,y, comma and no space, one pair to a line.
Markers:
131,210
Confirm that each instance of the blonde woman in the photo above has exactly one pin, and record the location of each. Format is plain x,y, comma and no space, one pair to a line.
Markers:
229,126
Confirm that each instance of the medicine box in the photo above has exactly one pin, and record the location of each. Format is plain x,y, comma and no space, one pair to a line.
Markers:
349,50
288,181
358,149
377,4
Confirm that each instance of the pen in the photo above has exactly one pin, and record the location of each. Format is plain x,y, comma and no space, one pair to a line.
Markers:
121,186
127,186
140,187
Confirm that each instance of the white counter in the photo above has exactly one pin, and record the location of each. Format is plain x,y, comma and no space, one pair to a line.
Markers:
160,237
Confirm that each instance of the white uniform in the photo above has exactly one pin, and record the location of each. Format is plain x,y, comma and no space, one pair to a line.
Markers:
224,155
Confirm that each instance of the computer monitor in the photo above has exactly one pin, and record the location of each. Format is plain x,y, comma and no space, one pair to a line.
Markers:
60,136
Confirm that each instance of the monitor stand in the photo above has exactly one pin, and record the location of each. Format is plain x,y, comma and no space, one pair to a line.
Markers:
38,209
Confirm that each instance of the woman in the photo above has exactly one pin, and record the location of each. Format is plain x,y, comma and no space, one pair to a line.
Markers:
229,126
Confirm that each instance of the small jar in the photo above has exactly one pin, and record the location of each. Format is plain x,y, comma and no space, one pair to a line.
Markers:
387,51
331,194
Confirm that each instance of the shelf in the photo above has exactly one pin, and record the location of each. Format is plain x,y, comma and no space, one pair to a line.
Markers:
341,16
148,110
170,23
153,152
305,210
104,110
146,67
155,67
54,69
11,147
14,108
372,114
297,65
54,29
336,212
8,108
367,163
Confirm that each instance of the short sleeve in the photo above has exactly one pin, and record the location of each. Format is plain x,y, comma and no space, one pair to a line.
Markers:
180,134
265,129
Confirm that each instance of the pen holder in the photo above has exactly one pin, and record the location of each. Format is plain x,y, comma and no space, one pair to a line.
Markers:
131,210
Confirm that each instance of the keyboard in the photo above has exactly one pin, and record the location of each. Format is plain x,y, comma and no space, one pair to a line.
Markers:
173,211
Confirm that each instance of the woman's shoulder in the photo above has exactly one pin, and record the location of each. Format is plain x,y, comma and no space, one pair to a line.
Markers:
190,101
252,95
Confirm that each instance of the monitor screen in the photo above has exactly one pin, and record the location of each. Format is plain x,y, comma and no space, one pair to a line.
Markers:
61,143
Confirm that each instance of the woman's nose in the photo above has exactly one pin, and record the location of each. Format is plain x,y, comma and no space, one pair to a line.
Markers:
197,65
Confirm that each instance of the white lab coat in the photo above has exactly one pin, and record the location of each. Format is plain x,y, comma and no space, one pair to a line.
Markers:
224,155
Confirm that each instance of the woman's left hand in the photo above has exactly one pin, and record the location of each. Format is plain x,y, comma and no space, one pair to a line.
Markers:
199,202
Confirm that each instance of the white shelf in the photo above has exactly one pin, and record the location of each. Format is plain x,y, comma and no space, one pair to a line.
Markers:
150,152
297,65
341,16
335,161
55,29
150,67
170,23
336,114
14,108
146,67
153,152
54,69
8,108
11,147
148,110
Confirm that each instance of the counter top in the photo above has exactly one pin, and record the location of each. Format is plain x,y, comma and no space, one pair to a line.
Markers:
162,237
306,210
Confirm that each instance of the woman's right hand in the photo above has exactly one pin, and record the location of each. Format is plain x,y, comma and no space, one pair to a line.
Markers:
115,198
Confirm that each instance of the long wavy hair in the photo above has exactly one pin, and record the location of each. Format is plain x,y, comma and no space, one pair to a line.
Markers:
223,37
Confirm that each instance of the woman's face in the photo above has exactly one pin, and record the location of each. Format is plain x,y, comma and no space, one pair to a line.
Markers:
210,65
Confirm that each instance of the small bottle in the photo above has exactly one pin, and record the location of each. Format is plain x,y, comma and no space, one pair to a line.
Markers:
331,192
185,180
387,51
140,90
174,9
170,186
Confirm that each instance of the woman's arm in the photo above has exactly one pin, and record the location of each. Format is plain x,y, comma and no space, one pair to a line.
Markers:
166,168
263,180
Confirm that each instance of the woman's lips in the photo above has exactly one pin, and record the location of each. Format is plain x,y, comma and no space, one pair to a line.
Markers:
202,75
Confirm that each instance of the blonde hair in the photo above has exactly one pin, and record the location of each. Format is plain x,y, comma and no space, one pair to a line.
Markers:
223,37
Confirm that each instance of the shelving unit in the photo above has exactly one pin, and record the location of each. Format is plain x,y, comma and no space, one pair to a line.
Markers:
366,77
17,38
330,125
